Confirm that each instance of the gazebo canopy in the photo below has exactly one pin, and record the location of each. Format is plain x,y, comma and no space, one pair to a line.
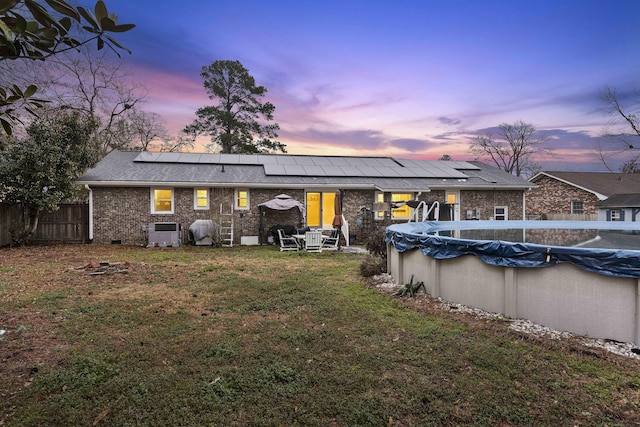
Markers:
283,202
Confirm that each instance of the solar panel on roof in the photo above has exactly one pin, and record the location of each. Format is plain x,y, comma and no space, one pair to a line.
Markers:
230,159
325,166
249,160
146,156
168,157
347,171
285,160
189,158
267,160
333,171
366,162
433,168
274,170
461,165
209,158
295,170
312,170
338,161
369,171
322,161
413,172
387,171
391,163
303,160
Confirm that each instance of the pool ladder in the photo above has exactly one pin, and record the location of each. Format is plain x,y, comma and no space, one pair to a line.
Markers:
426,210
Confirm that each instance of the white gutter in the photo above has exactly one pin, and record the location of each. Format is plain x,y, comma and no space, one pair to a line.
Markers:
90,212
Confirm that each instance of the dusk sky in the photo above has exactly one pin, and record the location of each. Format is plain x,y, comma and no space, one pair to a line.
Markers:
409,79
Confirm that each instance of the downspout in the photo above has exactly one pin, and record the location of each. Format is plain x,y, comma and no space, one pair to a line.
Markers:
524,205
90,212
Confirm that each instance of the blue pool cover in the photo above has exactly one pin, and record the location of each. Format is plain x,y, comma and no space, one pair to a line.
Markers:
427,236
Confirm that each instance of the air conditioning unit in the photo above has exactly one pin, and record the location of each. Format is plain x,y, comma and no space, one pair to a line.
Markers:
164,235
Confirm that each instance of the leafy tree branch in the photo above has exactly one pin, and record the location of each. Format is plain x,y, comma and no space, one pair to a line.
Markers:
31,31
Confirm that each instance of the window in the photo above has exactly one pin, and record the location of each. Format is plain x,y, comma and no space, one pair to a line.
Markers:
577,207
401,212
615,215
161,200
200,198
320,208
451,198
242,199
500,213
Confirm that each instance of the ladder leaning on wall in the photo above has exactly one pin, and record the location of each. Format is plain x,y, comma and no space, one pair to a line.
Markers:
226,226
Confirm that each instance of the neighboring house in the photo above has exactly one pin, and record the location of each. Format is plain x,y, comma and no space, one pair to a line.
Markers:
581,195
620,207
130,190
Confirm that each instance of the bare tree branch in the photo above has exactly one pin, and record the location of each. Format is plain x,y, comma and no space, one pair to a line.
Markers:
620,139
514,152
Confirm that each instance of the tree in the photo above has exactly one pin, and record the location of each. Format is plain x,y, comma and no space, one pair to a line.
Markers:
100,88
236,124
446,157
38,173
29,31
621,138
514,151
630,166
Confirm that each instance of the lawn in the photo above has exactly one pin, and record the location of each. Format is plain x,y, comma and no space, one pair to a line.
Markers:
251,336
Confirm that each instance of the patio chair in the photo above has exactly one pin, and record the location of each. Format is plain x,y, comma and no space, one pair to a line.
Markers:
287,243
313,241
331,243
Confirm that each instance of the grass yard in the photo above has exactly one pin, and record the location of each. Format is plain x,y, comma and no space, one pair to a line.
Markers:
250,336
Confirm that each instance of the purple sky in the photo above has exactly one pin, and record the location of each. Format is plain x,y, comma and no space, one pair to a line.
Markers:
411,79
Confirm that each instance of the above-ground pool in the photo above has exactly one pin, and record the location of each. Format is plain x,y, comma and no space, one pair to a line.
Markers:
576,276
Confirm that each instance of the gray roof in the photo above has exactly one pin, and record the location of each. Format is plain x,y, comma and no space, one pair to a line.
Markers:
631,200
132,168
602,184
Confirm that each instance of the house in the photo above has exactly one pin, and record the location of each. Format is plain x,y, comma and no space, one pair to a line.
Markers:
620,207
583,195
131,190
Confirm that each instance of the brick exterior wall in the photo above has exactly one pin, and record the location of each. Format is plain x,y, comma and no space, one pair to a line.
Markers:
120,214
555,197
484,201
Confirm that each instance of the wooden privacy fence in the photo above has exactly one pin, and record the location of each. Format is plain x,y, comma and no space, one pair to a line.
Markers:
8,214
572,217
69,224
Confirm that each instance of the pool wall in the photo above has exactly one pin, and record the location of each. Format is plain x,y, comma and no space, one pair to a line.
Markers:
562,296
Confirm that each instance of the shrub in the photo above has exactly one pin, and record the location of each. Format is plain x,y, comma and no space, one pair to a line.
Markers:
376,244
373,265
